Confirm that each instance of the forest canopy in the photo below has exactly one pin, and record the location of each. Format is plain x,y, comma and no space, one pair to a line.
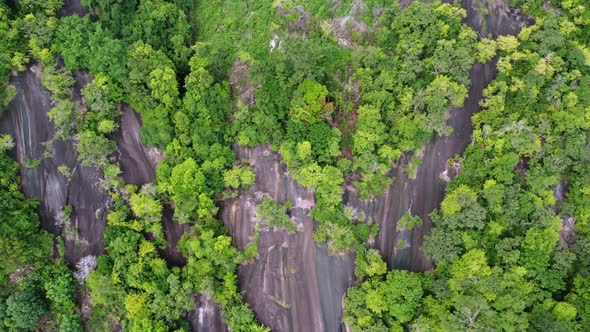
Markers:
346,94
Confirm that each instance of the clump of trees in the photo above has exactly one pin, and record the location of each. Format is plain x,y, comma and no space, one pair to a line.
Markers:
506,257
384,300
342,109
133,281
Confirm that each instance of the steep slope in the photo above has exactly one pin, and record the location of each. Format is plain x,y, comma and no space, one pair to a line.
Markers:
423,194
293,285
26,120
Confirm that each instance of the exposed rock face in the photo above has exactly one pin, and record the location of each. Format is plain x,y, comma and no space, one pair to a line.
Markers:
492,18
173,231
206,317
138,164
73,7
25,119
423,194
293,284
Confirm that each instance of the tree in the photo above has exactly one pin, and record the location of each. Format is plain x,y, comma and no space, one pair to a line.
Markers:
71,39
368,263
93,149
136,306
486,49
107,55
173,40
403,292
443,246
115,14
142,61
64,118
70,323
408,222
239,177
461,210
6,143
146,207
21,240
580,298
507,43
24,309
187,182
370,130
99,97
275,215
392,302
309,103
59,285
164,86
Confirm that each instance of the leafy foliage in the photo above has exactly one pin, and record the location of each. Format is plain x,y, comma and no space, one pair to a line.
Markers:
22,242
342,103
275,215
502,262
24,309
384,299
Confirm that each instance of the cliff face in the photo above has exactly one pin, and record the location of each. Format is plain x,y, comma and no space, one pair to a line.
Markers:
73,7
26,120
423,194
293,285
206,317
137,161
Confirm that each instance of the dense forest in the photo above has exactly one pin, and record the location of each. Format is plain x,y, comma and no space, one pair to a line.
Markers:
347,94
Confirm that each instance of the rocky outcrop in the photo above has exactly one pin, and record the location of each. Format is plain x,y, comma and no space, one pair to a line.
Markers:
25,119
293,284
206,317
138,162
422,195
73,7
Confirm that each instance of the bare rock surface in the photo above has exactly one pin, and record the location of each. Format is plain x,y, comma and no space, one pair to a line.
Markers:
422,195
173,231
138,162
293,284
73,7
25,119
206,317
